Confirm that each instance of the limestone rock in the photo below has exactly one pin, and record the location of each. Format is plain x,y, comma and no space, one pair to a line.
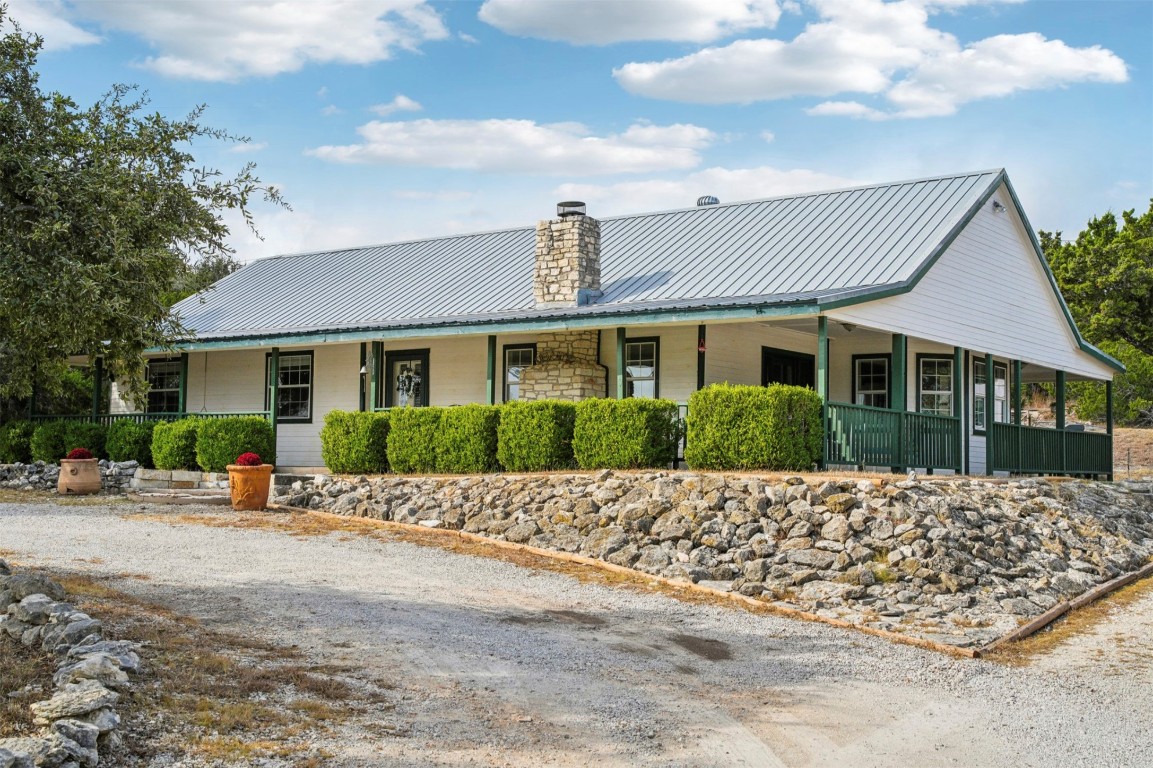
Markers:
101,667
72,700
840,503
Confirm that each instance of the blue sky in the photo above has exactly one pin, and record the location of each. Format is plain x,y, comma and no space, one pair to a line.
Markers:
386,120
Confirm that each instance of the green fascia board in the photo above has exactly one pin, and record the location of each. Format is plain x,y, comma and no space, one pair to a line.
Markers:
873,293
600,320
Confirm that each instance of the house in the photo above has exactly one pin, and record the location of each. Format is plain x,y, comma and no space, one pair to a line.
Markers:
917,309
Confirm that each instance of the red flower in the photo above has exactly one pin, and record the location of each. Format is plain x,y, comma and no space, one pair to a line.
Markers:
80,453
249,460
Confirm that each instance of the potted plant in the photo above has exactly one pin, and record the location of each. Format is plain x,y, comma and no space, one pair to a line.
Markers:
248,480
79,473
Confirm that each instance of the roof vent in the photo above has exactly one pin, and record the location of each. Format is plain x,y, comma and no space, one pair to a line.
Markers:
570,208
704,200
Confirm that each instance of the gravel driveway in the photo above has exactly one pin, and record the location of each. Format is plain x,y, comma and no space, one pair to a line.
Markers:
502,665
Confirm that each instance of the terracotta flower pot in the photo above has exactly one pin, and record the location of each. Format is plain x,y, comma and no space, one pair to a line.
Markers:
249,485
79,477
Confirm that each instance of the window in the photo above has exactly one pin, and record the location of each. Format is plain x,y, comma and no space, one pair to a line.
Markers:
871,380
406,381
935,385
517,357
164,386
294,396
641,367
1000,394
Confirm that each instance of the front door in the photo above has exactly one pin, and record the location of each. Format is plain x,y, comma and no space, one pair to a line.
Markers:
406,378
780,366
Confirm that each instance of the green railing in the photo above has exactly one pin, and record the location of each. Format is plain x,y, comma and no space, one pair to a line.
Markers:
863,436
139,418
1040,451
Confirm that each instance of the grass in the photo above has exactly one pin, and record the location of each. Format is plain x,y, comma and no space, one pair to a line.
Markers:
25,678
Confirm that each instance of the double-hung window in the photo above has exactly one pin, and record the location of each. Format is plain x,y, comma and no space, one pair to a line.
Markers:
641,367
294,387
871,380
517,357
163,386
1000,393
935,385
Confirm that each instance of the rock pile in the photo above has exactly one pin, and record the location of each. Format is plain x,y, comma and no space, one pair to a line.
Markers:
958,561
38,476
78,721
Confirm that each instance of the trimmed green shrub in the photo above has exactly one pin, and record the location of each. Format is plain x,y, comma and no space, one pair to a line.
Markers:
48,441
130,441
355,443
84,434
633,433
412,439
777,427
536,436
16,442
467,439
174,443
220,441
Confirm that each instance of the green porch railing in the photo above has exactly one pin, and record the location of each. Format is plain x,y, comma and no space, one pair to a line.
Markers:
139,418
863,436
1041,451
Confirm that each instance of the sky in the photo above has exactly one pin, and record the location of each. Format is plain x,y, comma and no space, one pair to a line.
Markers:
388,120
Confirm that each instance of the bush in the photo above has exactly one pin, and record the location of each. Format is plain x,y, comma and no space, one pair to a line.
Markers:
48,442
174,444
130,441
467,439
220,441
355,443
16,442
412,439
625,434
777,427
84,434
535,436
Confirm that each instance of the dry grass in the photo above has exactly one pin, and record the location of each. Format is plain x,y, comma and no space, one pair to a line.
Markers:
1133,452
25,678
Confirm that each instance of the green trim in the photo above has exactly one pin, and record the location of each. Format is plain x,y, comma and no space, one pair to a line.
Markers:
1109,407
1016,406
967,392
272,384
490,371
362,371
182,397
959,406
394,355
899,373
375,364
990,410
952,379
888,358
272,393
656,342
504,366
1060,410
701,356
822,382
621,363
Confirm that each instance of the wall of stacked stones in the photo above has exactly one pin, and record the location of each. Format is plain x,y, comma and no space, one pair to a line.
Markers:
955,560
116,477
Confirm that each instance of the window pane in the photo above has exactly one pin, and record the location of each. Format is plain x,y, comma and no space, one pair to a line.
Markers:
516,359
408,383
640,369
294,387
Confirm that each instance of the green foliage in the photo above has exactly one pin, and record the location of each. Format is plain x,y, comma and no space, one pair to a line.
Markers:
625,434
174,443
220,441
16,442
777,427
48,441
412,439
103,212
83,434
536,436
467,439
355,443
130,441
1132,390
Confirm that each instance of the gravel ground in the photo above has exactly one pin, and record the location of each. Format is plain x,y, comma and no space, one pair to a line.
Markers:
505,666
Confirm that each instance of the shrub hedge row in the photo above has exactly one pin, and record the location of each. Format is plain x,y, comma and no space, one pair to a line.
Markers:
355,442
777,427
16,442
412,434
220,441
625,434
130,441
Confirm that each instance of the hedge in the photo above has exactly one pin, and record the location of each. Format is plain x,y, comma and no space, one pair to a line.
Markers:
536,435
47,442
633,433
467,439
777,427
16,442
412,439
355,443
174,443
130,441
220,441
85,434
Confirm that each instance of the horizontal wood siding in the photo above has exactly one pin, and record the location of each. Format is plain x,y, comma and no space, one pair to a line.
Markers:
734,350
677,366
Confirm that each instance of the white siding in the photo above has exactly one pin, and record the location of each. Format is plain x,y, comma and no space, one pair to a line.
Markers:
734,350
988,291
676,363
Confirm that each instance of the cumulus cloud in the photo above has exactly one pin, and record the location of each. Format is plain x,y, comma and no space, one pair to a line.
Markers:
729,184
399,104
871,47
210,40
523,146
49,19
599,23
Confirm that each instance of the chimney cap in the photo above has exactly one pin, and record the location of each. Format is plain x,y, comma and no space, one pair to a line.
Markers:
704,200
570,208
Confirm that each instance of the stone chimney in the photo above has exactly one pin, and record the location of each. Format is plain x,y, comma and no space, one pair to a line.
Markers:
568,258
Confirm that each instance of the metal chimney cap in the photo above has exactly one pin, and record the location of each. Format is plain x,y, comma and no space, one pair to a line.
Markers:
704,200
570,208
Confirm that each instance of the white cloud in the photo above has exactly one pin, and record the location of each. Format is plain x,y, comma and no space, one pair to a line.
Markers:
877,48
599,23
245,147
729,184
331,109
322,92
523,146
211,40
48,18
768,136
399,104
441,196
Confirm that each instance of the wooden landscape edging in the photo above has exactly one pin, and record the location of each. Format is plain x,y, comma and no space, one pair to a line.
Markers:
742,600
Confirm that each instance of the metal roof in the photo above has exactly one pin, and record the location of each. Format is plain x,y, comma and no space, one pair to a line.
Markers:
799,248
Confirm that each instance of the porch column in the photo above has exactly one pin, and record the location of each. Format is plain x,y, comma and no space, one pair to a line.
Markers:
374,364
620,363
823,384
989,411
1060,400
1017,392
491,369
1109,406
182,401
900,400
97,380
273,391
362,372
959,405
701,356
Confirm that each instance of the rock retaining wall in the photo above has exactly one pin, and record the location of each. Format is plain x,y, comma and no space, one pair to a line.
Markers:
116,477
956,561
78,721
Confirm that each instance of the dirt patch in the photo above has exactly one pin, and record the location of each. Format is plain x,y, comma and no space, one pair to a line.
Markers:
706,648
1132,452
